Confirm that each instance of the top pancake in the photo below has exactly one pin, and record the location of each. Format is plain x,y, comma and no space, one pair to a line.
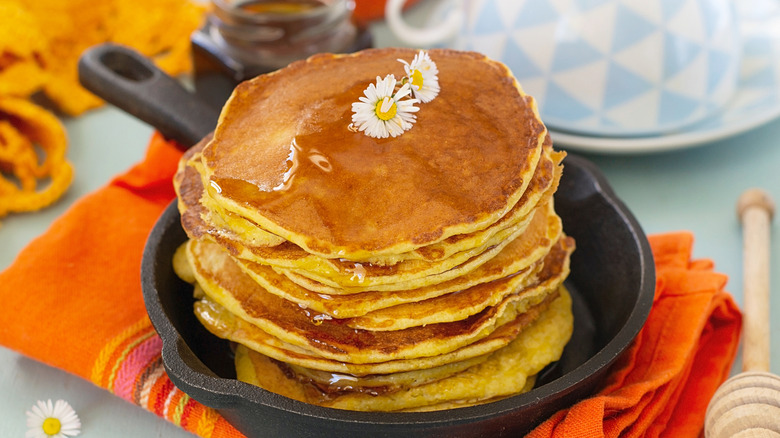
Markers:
284,158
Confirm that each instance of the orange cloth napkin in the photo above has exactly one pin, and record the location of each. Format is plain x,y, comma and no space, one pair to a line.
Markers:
662,384
82,278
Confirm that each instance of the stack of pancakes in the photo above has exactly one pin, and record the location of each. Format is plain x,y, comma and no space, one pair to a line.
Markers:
417,272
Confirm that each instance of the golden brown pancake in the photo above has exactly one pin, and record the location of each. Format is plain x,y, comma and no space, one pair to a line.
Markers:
221,226
408,281
358,304
224,282
505,372
459,305
342,273
517,255
533,284
283,155
246,240
224,324
353,276
350,274
376,383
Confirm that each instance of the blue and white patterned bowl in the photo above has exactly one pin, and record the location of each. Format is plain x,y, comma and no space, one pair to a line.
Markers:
607,67
755,103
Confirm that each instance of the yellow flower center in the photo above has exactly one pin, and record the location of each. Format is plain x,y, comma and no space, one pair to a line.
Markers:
417,79
386,109
51,426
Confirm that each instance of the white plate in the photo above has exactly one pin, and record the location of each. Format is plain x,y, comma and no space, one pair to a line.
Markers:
756,102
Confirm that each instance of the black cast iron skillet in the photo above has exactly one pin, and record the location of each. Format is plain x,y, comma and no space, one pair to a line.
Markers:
612,282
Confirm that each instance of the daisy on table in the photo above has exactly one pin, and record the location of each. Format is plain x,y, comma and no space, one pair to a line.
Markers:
52,420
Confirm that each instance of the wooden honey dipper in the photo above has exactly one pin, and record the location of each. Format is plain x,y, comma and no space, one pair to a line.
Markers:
748,404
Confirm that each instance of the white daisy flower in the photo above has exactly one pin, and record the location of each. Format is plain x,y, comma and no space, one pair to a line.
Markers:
422,73
383,112
57,420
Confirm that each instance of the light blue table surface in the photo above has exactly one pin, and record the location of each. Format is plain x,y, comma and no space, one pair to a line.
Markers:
692,189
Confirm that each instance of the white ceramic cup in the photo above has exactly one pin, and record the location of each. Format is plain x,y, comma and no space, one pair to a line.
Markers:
599,67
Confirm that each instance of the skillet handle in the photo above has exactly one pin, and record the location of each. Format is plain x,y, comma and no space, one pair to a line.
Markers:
130,81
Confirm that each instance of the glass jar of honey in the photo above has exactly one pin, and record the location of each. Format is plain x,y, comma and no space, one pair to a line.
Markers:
244,38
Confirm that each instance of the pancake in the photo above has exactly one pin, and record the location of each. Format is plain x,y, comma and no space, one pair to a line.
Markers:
224,324
298,384
225,283
349,273
529,385
359,304
448,307
413,274
506,372
247,241
219,225
376,383
283,157
459,305
519,254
